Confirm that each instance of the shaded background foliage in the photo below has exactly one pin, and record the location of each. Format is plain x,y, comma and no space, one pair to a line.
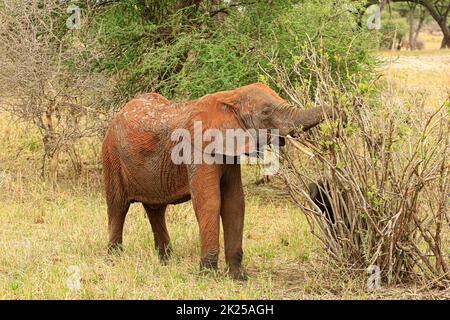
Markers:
187,49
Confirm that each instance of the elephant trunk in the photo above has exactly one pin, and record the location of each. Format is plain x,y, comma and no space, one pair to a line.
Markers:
307,119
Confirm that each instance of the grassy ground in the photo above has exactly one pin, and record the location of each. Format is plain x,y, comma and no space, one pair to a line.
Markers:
421,72
47,229
424,73
431,41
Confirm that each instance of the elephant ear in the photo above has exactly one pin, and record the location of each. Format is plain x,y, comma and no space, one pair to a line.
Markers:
223,131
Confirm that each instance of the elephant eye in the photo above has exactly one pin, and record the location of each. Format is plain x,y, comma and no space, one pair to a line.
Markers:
226,106
266,111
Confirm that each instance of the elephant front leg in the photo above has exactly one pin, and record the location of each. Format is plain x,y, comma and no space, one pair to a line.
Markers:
232,213
205,194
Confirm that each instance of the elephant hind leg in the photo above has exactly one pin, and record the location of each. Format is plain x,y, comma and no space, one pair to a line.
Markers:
116,219
118,205
157,217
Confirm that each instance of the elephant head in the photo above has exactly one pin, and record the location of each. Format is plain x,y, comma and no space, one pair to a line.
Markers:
256,107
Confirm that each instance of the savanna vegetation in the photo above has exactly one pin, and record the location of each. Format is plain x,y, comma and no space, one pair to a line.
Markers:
66,68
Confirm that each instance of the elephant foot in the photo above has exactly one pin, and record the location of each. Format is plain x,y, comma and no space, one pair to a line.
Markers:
238,273
115,248
210,260
234,262
164,255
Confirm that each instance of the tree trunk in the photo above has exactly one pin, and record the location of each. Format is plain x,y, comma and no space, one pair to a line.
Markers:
412,9
419,26
439,17
446,40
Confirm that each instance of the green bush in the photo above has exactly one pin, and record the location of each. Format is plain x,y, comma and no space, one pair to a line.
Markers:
186,53
393,29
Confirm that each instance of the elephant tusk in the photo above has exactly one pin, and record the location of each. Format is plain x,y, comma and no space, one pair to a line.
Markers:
298,146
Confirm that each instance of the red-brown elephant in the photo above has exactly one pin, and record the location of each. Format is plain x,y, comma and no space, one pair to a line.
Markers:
138,167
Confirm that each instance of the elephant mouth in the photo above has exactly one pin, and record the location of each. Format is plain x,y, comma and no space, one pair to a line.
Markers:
293,134
281,138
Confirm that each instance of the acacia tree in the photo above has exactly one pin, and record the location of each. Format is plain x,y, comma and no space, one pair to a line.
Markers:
439,11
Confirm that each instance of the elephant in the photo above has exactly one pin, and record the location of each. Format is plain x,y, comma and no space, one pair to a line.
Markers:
138,167
320,195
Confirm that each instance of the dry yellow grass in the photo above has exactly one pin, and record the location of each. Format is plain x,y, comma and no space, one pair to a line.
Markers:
431,41
424,73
